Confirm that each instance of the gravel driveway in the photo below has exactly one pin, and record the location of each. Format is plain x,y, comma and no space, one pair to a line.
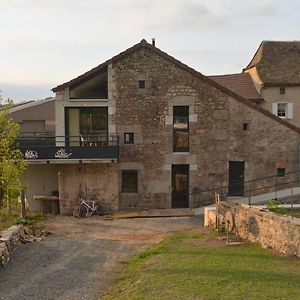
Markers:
81,259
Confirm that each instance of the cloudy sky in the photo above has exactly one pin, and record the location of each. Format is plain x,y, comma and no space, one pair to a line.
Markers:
44,43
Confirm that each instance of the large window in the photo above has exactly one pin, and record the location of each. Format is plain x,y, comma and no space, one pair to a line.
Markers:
180,128
92,88
129,181
86,125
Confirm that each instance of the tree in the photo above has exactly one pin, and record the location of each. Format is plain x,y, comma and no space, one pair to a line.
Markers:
12,162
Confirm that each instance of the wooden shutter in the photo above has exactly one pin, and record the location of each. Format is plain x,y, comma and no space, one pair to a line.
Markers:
290,111
274,108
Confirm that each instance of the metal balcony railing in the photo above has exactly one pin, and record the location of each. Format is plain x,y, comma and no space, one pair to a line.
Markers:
47,146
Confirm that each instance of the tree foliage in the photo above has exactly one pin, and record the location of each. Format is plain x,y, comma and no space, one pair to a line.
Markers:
12,163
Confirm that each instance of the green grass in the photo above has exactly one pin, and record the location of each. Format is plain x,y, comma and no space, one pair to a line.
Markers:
13,217
296,213
195,265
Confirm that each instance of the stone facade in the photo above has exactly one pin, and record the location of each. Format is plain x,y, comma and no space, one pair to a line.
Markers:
87,180
215,129
216,136
271,230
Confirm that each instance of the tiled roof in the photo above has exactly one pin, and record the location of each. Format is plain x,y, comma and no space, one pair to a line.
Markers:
179,64
277,62
241,84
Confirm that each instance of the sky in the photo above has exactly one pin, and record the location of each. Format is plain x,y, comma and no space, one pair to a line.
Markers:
44,43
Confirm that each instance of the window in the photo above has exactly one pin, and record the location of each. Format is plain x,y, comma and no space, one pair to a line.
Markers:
91,88
180,128
280,172
282,90
86,125
245,126
129,181
142,84
283,110
129,138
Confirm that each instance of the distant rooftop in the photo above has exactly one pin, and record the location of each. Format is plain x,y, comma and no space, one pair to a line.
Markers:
277,62
240,83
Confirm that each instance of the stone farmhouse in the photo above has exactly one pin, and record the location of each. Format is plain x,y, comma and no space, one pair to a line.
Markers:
143,130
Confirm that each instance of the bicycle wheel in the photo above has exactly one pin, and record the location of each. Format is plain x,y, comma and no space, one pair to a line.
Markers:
80,211
83,211
76,211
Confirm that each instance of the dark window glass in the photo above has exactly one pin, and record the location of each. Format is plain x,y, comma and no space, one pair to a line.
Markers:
87,126
280,172
129,181
180,128
142,84
129,138
92,88
93,120
282,110
282,90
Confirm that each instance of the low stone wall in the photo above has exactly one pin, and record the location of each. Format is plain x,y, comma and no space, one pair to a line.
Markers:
9,240
271,230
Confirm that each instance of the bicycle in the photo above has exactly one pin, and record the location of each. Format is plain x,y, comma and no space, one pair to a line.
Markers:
86,209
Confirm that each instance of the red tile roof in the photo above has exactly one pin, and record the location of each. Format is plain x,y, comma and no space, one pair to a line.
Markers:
241,84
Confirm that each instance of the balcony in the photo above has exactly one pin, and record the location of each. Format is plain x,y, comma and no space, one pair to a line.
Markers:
40,147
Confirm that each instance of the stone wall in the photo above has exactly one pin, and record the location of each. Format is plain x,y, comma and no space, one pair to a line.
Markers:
9,240
271,230
216,131
87,180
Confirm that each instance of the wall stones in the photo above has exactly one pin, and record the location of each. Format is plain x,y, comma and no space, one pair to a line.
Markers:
216,134
269,229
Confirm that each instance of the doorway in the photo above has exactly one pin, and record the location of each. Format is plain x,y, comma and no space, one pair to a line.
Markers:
180,186
236,178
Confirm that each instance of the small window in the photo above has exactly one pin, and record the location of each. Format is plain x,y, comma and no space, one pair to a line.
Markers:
282,110
282,90
245,126
280,172
129,138
129,181
142,84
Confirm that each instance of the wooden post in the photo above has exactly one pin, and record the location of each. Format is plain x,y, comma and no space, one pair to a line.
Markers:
8,201
23,208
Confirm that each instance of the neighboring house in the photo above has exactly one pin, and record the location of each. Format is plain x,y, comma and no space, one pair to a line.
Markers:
275,71
143,130
35,117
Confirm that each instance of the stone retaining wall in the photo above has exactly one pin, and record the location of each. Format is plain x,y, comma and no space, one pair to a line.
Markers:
282,233
9,240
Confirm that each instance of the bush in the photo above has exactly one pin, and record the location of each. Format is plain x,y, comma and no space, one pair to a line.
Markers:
273,206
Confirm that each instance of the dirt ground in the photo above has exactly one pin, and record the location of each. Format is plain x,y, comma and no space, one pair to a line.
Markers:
81,258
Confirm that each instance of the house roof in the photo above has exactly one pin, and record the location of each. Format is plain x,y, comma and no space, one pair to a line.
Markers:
277,62
29,104
241,84
145,45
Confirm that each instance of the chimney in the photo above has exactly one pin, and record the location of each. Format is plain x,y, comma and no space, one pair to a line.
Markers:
153,42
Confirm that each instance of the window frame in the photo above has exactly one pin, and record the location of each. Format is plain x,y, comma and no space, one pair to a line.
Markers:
131,140
280,111
125,189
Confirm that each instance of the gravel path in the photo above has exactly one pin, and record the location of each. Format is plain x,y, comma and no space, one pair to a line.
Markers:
81,259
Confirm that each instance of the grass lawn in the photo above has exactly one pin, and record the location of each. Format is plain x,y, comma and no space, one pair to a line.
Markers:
196,265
